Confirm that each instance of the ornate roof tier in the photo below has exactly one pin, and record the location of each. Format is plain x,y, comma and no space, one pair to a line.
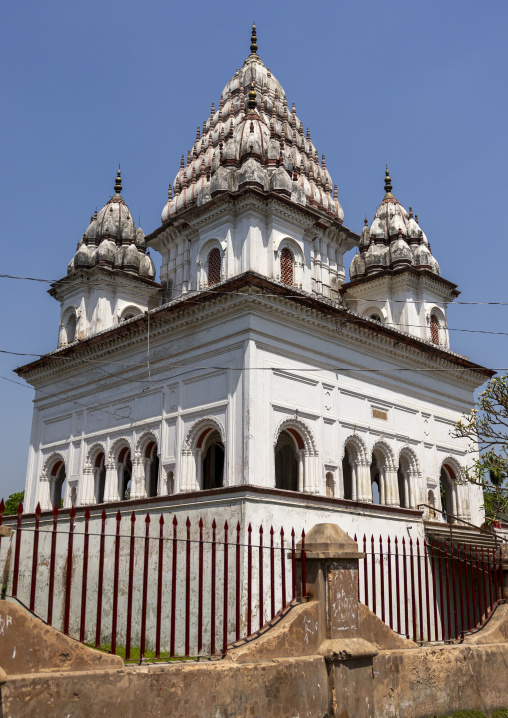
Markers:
394,240
253,138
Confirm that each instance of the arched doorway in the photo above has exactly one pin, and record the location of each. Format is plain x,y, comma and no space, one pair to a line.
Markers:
347,476
376,481
213,461
124,468
447,488
151,469
99,478
58,477
286,462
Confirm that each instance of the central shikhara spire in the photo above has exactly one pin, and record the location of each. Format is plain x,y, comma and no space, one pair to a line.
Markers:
253,137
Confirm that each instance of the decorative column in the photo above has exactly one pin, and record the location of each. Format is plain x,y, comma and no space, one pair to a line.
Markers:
44,494
392,490
138,490
86,494
111,483
364,482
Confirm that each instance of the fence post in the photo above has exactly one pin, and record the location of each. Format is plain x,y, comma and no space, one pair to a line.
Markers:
332,579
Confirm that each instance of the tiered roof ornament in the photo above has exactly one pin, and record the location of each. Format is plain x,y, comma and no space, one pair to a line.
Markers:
111,240
394,240
253,140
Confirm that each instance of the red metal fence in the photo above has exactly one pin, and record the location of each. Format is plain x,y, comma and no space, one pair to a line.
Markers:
188,591
430,591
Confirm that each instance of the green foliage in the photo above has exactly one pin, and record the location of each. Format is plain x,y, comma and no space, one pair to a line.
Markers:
486,426
135,653
11,505
502,713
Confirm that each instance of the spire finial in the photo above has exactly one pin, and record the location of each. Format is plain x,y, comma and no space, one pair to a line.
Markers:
251,103
388,182
118,182
253,40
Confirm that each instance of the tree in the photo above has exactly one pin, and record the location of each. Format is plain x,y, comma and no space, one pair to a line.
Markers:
11,505
486,426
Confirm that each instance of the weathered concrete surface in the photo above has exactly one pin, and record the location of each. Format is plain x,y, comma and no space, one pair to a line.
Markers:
373,629
280,689
27,645
494,631
438,680
296,634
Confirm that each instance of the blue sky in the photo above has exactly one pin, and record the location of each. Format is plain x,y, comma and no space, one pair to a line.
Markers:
88,85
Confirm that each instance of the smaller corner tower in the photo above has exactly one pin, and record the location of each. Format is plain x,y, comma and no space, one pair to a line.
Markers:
395,279
111,277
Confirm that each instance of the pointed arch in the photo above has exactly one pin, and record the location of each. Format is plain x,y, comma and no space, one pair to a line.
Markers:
358,447
146,438
301,433
116,448
49,465
204,455
198,430
93,453
454,469
53,477
409,455
384,453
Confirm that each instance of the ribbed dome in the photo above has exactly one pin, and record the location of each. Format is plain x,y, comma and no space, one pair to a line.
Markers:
394,240
112,240
253,124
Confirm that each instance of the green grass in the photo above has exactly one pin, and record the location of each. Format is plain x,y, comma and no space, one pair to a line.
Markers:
500,713
135,653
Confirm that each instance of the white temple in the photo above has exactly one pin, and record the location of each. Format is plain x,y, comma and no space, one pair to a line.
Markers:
253,372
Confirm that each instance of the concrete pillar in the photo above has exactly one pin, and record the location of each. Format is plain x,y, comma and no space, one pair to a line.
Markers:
87,497
138,490
332,580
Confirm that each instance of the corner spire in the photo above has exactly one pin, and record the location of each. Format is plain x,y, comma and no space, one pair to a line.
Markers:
118,182
253,41
388,182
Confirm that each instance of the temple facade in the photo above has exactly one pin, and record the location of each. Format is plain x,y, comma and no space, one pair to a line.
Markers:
255,363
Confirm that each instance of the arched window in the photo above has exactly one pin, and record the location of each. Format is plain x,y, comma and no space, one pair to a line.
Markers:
286,460
151,469
376,480
124,468
375,317
448,490
70,328
347,476
214,267
58,477
99,478
213,460
434,329
330,485
287,264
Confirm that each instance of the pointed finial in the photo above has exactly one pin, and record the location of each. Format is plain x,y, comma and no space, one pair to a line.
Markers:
388,182
335,193
118,183
411,212
365,221
170,193
251,103
253,40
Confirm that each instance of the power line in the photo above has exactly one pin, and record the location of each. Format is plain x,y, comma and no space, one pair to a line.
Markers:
285,296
